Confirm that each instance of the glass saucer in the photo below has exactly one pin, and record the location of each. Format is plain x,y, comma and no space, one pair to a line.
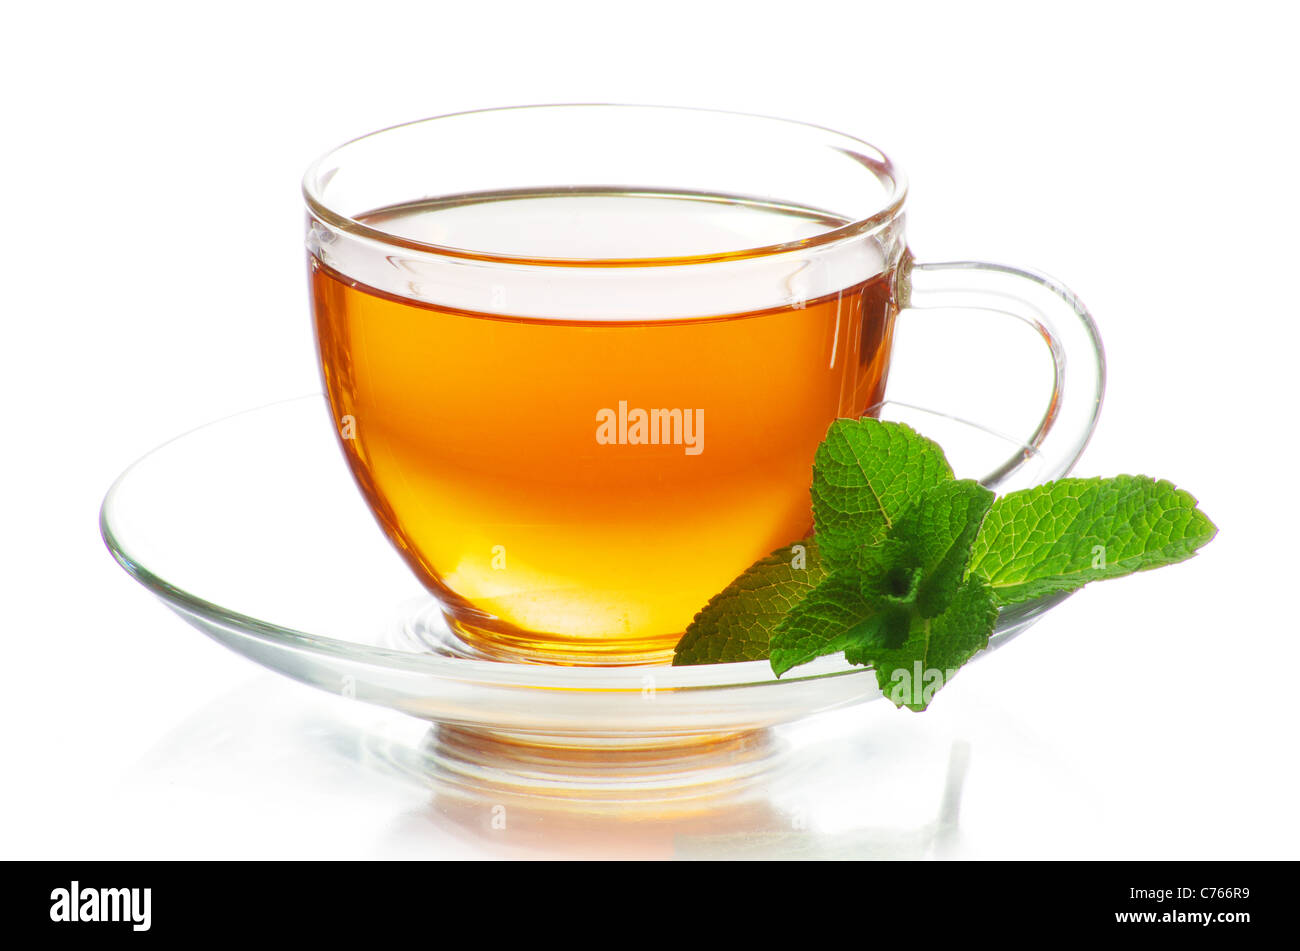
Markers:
251,530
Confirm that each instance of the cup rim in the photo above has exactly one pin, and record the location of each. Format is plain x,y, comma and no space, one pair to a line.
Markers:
880,165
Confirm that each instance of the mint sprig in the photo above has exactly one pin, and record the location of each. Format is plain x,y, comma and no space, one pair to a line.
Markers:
910,565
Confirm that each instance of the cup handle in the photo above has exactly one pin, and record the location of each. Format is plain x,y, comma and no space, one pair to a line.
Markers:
1064,324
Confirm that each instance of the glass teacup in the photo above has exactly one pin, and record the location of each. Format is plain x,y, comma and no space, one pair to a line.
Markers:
580,357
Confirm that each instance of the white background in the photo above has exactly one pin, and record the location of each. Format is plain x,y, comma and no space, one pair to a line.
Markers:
154,280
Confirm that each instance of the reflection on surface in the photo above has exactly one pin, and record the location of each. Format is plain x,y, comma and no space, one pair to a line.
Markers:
742,797
864,783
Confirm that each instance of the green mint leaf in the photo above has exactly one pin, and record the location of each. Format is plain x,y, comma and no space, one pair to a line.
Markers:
888,571
822,623
905,604
736,624
865,474
941,527
910,673
1062,535
849,606
915,571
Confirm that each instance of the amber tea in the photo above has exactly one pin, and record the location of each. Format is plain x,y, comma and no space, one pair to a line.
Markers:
575,474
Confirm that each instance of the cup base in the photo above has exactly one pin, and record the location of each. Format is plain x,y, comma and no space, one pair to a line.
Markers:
496,768
521,647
